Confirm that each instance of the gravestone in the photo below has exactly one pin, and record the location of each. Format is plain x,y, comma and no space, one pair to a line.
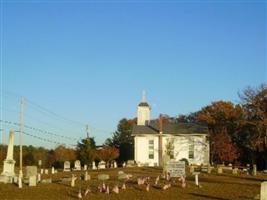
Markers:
52,170
31,171
209,169
176,168
115,164
130,163
66,166
254,171
87,176
263,191
102,165
93,165
42,171
85,167
77,165
196,178
122,176
219,170
9,163
48,180
39,163
73,179
235,171
32,181
103,177
46,171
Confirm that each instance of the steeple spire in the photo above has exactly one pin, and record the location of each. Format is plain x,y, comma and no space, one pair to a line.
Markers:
144,96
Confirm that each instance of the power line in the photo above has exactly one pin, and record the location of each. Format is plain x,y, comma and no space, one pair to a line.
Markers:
39,130
48,112
44,139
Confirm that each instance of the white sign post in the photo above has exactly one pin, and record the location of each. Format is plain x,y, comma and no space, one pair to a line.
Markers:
176,168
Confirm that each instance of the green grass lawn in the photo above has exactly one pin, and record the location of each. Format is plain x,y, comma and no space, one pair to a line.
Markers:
221,187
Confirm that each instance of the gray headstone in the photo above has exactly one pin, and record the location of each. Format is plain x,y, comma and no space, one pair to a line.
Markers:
48,180
103,177
31,171
122,176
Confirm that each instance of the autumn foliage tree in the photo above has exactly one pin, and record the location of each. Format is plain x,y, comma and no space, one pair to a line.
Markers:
107,153
253,135
222,119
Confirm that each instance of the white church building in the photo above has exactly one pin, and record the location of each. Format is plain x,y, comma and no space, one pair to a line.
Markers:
156,140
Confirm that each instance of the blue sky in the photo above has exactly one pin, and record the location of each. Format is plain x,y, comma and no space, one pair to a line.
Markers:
90,61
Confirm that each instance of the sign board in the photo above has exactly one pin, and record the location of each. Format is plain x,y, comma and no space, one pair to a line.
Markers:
176,168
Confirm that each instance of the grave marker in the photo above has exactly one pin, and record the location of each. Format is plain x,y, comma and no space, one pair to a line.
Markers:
66,166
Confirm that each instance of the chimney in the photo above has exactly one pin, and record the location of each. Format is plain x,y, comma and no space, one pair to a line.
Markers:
160,139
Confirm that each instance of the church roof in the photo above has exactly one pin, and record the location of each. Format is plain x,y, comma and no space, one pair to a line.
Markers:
170,128
143,104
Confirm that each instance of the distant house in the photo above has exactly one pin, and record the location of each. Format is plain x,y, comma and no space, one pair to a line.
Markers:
154,139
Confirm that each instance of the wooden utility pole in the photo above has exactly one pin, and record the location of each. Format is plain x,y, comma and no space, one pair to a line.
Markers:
20,135
160,139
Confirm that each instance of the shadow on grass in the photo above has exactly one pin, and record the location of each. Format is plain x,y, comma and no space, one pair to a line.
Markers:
208,196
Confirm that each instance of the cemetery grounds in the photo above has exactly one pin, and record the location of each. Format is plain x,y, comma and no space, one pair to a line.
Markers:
212,186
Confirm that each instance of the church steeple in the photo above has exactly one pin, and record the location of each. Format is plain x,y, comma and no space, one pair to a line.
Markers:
143,111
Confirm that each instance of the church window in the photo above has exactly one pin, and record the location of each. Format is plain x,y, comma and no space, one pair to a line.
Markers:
151,149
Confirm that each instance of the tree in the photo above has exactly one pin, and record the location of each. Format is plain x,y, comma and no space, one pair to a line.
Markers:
63,154
123,140
108,154
223,120
253,135
86,150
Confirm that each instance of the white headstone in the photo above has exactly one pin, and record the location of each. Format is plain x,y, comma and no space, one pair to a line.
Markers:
93,165
32,181
196,178
46,171
42,171
9,162
77,165
52,170
66,166
115,164
86,176
85,167
263,190
102,165
73,179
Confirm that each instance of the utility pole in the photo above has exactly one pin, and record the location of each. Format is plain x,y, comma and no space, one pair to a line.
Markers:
87,131
160,139
20,135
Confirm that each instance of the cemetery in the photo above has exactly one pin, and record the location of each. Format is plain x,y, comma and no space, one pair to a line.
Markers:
174,181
